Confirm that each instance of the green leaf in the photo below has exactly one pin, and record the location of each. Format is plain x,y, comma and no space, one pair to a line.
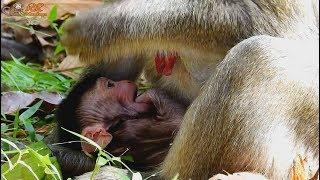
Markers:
5,146
30,129
127,158
61,29
30,111
39,137
101,161
4,127
36,156
116,159
48,170
16,124
24,118
102,153
53,14
95,171
45,159
59,48
30,78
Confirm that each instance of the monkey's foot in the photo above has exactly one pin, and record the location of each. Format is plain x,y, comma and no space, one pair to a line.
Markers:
165,62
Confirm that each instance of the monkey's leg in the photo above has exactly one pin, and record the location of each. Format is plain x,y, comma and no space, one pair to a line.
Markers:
135,26
256,113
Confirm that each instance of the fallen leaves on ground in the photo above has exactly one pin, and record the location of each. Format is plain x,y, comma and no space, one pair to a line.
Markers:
13,101
64,7
68,64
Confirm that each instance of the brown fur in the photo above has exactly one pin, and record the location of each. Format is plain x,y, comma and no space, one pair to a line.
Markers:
144,135
237,100
109,113
262,118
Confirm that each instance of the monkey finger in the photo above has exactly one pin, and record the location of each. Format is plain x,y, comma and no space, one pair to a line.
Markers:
143,98
158,98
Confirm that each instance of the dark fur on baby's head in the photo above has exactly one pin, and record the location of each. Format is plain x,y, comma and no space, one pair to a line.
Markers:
67,111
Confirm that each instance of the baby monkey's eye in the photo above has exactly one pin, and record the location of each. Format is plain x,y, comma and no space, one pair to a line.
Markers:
110,84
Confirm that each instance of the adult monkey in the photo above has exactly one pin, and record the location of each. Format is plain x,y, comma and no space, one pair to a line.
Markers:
232,113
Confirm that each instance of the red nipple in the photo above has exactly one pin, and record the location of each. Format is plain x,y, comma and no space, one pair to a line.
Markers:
165,62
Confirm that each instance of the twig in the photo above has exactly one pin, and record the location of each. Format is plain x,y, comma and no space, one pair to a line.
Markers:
30,29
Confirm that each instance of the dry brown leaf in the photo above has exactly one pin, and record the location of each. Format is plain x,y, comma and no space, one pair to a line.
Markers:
43,42
6,2
71,74
70,63
45,129
22,35
52,98
38,16
18,34
66,16
64,7
73,6
15,100
47,33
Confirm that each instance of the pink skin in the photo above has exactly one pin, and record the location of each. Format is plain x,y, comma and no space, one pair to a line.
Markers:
170,60
96,132
123,92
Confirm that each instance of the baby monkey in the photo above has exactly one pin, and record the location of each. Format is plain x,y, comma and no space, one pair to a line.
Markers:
121,121
105,105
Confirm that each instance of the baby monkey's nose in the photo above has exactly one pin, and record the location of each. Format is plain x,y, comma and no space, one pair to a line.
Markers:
110,84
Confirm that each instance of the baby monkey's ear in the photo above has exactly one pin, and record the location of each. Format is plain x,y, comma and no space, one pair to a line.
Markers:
97,133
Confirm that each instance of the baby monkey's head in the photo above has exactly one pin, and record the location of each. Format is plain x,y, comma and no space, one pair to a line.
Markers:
106,104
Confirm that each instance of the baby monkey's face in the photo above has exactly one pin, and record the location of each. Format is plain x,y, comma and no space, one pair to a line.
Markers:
104,105
123,92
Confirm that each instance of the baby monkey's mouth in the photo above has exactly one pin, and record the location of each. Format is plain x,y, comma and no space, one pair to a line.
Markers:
143,107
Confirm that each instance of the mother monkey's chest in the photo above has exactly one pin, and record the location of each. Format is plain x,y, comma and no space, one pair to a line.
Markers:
182,73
